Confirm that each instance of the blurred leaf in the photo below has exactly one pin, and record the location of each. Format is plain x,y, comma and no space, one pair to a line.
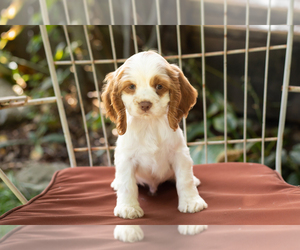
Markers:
5,70
37,153
42,129
14,142
218,122
32,136
295,154
284,156
197,130
62,75
293,179
295,157
53,138
249,145
34,44
213,153
213,109
59,53
270,159
46,83
7,199
93,120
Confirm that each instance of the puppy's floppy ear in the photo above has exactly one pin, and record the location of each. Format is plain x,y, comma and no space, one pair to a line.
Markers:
183,96
113,104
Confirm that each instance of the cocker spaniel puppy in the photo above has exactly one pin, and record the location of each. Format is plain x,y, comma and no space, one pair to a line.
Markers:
147,97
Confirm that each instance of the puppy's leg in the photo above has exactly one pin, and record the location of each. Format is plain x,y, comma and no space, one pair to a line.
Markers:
128,233
128,206
189,198
191,229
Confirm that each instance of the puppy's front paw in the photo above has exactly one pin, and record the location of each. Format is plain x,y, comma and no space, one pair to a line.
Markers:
128,211
191,229
128,233
192,205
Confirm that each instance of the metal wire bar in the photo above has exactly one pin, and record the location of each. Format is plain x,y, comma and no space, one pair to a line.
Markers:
295,89
66,11
236,141
133,26
111,35
79,96
179,57
184,56
179,46
134,12
178,34
86,11
232,141
178,12
113,48
203,78
286,79
84,149
246,81
157,26
57,92
20,102
111,13
225,81
98,92
263,132
8,99
158,39
44,12
13,188
136,50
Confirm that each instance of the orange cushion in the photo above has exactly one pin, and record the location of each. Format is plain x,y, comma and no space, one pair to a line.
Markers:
236,193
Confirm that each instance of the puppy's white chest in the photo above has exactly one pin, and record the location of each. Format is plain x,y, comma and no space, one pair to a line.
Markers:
150,146
153,162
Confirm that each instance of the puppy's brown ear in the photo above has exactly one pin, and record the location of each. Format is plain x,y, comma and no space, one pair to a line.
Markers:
113,104
183,96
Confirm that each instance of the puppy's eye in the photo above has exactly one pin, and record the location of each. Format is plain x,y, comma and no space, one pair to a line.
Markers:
131,87
158,86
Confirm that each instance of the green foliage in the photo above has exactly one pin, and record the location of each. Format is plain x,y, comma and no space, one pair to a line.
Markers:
93,121
292,161
7,199
213,153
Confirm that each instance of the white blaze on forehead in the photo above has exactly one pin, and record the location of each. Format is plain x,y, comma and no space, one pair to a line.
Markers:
141,67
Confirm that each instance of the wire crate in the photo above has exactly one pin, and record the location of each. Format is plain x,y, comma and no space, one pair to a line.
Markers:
156,19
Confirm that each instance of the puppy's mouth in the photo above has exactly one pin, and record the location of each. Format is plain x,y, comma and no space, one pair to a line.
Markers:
146,113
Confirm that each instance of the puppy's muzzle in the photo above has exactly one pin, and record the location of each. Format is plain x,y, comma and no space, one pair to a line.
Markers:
145,105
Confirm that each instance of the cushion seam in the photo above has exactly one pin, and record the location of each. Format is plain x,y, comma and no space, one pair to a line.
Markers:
34,198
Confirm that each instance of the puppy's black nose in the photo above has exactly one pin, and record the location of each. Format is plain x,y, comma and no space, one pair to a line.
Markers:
145,105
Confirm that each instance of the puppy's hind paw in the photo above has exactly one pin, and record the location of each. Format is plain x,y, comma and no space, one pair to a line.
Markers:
192,205
128,211
128,233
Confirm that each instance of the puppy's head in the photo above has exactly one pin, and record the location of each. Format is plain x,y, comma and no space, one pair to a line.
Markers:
147,86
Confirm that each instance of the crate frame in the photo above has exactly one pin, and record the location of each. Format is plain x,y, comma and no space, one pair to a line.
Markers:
15,102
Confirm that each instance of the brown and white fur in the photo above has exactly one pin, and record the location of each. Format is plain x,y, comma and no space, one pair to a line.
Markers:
147,97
